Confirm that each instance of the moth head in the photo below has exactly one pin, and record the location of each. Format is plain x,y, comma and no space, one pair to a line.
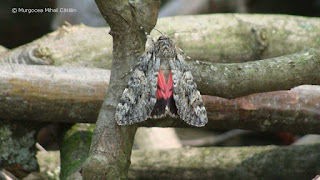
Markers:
166,46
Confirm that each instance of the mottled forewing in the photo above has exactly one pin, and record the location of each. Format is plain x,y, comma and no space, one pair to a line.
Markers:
139,98
185,93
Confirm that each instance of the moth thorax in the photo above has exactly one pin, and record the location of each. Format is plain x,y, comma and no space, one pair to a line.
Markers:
165,67
168,53
166,49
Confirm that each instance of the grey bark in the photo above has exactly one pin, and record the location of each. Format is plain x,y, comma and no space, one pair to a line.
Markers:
268,162
215,38
232,80
253,162
70,95
51,94
110,151
238,79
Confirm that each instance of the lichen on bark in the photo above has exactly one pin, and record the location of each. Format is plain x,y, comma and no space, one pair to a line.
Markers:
17,148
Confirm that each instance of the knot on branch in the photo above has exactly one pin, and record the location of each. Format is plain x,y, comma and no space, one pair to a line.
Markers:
32,55
126,17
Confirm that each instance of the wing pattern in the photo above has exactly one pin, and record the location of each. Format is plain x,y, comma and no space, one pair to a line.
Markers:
186,95
139,98
149,95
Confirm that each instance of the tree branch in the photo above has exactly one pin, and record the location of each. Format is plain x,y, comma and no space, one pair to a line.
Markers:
60,94
266,162
47,93
215,38
269,162
232,80
294,111
111,145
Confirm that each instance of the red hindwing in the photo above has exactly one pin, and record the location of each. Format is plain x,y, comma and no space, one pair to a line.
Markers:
164,89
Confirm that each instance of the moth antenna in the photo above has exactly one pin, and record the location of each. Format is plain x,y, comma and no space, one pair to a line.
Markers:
158,31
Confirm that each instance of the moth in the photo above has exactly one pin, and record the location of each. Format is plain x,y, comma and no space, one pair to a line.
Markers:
161,85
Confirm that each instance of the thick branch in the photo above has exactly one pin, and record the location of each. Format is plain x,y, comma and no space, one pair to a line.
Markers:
270,162
216,38
110,151
47,93
69,45
224,80
294,111
267,162
52,94
239,79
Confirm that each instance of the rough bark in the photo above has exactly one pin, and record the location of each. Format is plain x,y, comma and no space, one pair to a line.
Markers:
238,79
70,95
51,94
111,145
216,38
272,111
268,162
76,143
70,46
240,37
232,80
